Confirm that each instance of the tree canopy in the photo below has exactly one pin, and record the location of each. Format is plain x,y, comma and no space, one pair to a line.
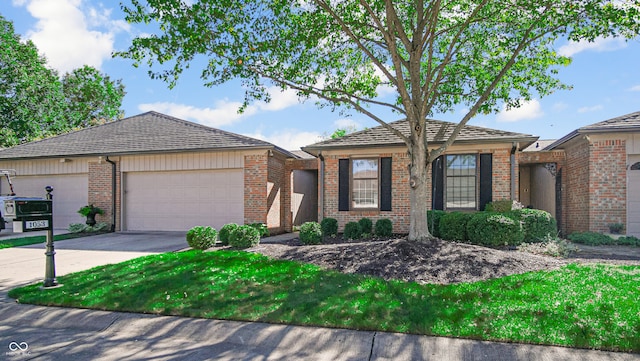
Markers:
434,55
35,103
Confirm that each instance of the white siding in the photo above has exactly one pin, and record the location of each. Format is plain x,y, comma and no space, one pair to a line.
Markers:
633,198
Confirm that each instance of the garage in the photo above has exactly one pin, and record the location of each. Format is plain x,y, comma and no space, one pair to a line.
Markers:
179,200
633,200
70,192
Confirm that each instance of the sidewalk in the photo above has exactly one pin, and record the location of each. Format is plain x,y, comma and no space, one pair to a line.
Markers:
50,333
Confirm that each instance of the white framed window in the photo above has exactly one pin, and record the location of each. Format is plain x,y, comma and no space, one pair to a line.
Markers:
365,184
461,181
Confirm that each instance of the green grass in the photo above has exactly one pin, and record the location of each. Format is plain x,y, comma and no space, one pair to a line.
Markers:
25,241
579,306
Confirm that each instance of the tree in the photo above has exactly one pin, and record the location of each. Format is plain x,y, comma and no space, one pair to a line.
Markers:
91,97
35,103
436,55
31,100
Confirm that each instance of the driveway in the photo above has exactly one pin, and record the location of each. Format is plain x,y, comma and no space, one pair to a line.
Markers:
23,265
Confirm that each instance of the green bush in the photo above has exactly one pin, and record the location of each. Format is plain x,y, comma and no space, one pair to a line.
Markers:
628,241
244,237
591,238
311,233
433,221
352,230
494,229
201,237
453,226
225,232
384,227
329,227
504,205
366,226
262,229
538,224
85,228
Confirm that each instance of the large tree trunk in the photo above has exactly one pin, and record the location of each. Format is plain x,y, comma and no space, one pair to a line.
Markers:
419,191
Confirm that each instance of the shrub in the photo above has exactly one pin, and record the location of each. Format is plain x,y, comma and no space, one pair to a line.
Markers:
352,230
453,226
366,226
311,233
225,232
433,220
590,238
503,205
81,227
628,241
549,246
538,224
494,229
384,227
329,227
201,237
244,237
616,228
262,229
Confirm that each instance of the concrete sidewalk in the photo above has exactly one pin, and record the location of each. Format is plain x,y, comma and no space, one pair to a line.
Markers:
49,333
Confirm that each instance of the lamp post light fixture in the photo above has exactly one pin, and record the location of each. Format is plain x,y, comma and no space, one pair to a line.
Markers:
50,267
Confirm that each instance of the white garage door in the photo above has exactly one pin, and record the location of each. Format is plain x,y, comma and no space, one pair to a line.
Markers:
633,200
177,201
70,192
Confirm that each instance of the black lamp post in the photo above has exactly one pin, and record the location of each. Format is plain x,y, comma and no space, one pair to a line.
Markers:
50,267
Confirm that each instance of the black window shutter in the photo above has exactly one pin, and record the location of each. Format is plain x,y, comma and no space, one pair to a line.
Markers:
385,184
343,184
437,183
486,180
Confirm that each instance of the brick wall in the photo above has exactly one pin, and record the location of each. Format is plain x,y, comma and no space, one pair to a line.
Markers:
576,179
608,181
277,189
255,188
100,191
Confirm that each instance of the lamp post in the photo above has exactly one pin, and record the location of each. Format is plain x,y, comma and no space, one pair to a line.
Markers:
50,267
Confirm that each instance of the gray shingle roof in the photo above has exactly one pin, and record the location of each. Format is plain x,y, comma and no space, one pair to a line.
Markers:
624,123
437,132
149,132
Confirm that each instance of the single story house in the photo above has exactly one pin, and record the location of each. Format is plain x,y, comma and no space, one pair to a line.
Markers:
365,174
153,172
600,175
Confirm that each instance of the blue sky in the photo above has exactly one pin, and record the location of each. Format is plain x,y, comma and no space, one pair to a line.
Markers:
605,76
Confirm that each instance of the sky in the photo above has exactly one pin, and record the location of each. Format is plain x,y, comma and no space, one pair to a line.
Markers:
605,76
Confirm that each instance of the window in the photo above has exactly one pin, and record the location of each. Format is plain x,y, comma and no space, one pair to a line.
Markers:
461,181
365,187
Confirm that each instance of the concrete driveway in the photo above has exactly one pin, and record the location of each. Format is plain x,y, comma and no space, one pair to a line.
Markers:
24,265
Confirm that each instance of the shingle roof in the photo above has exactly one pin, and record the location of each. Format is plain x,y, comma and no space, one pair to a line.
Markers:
624,123
437,132
149,132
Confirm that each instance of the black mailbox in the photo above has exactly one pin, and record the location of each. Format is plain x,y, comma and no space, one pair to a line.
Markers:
33,215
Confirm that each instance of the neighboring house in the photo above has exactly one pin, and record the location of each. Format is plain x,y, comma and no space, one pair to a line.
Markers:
365,174
599,175
153,172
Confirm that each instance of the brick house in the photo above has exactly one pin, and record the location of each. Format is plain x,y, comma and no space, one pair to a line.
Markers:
598,175
155,172
364,174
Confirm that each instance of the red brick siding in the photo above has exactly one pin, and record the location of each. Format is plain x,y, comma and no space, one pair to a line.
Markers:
577,187
255,188
100,192
608,184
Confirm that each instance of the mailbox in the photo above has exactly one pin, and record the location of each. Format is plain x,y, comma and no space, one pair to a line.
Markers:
31,214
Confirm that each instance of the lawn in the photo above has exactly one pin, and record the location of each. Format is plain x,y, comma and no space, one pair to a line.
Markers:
579,306
25,241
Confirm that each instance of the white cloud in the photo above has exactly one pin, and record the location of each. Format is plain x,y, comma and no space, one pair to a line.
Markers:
66,32
527,110
347,123
224,112
635,88
594,108
600,44
560,106
289,139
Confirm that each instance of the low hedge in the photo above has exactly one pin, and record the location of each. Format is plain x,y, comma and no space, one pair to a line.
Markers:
494,229
352,230
433,221
310,233
329,227
366,226
538,225
453,226
384,227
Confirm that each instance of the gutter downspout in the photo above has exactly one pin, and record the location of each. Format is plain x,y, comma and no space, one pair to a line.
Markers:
514,148
113,193
321,189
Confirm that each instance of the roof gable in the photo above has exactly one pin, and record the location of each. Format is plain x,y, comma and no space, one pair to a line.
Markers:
437,132
149,132
624,123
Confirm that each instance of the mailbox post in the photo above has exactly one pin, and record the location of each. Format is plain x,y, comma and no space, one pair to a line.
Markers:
50,267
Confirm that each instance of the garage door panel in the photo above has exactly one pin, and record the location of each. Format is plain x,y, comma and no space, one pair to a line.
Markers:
633,203
70,192
177,201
